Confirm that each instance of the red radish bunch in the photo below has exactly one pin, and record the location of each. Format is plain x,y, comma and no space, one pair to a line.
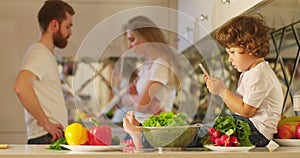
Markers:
222,139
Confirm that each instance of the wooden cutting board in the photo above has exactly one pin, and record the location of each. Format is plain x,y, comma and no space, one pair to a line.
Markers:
3,146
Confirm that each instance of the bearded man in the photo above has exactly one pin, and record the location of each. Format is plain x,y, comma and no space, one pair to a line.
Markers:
38,84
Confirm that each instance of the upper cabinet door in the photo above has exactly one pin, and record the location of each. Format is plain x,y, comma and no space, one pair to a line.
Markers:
195,19
227,9
198,18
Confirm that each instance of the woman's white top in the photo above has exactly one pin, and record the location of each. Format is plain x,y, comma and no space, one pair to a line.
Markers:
159,71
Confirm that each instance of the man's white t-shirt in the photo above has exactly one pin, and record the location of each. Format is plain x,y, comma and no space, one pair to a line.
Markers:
260,87
41,62
159,71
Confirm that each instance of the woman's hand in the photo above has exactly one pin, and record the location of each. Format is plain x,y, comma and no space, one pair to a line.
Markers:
215,85
132,88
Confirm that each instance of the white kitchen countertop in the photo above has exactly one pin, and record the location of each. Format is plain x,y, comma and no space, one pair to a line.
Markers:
40,151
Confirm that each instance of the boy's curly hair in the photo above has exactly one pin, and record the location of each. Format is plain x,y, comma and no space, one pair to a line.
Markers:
245,31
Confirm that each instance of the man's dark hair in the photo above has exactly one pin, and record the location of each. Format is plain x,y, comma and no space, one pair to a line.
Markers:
53,9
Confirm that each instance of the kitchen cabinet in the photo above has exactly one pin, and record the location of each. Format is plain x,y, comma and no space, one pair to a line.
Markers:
195,19
226,9
198,18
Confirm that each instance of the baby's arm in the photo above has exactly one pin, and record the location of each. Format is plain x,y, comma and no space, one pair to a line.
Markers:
130,126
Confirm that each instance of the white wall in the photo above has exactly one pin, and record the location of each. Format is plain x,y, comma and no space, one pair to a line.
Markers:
18,29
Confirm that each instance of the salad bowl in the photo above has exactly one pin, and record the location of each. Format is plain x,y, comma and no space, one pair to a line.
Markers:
170,136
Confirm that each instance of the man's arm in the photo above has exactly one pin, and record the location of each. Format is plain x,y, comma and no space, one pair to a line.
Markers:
24,90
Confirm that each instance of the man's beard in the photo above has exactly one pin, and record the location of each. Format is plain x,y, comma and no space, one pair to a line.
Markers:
59,40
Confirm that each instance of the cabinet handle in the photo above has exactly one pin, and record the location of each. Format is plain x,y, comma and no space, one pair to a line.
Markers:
225,1
203,17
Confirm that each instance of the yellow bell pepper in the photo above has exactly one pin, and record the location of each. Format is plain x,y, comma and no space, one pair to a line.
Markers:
76,134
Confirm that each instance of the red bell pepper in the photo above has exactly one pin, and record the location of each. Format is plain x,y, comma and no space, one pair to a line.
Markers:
99,135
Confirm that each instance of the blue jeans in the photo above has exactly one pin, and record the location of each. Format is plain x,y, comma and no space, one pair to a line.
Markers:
45,139
255,137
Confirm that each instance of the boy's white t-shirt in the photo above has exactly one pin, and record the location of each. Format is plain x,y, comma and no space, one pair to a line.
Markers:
260,87
41,62
159,72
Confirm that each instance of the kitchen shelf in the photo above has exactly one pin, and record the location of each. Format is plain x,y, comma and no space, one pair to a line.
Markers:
280,36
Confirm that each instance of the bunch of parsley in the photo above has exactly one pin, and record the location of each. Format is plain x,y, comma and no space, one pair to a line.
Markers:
56,145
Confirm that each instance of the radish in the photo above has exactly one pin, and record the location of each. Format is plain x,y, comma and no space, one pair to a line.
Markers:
225,140
234,140
212,139
211,130
218,142
216,134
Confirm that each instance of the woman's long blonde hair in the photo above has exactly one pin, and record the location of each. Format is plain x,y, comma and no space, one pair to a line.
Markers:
146,29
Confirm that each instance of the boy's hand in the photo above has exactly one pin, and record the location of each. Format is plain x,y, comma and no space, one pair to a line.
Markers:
215,85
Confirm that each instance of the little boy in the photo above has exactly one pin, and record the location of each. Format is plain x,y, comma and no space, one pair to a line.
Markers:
258,98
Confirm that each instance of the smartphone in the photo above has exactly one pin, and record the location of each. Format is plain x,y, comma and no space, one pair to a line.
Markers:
203,69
